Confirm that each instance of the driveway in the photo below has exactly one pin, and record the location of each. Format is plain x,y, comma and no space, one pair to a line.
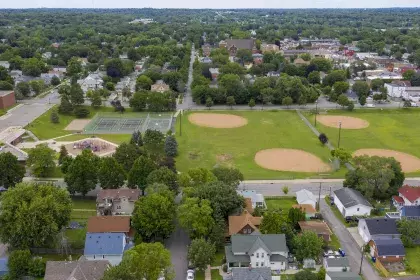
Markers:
349,245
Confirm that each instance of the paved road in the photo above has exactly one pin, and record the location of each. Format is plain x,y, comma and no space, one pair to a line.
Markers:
178,246
187,101
348,243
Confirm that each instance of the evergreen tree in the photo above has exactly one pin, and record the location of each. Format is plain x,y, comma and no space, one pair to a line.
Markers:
136,139
54,117
171,146
65,105
63,154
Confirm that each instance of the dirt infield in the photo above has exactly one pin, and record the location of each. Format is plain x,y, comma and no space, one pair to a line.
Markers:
77,125
346,122
290,160
217,120
409,163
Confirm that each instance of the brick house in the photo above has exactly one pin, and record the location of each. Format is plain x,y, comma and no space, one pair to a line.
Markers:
7,99
206,49
233,45
160,86
387,250
243,224
116,202
214,73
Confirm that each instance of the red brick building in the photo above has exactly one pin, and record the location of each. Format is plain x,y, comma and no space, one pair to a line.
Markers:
7,99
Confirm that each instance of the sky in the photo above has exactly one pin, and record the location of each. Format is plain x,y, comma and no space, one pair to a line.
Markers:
215,4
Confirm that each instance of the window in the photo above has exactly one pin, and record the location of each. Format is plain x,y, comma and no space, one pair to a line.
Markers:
281,263
262,255
93,256
262,264
358,209
256,264
118,207
103,256
258,255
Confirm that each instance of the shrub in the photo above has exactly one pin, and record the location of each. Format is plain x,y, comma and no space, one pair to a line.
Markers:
81,112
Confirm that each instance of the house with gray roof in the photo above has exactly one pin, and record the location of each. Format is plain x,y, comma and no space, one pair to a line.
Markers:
257,250
337,264
76,270
387,250
249,273
333,275
378,228
351,202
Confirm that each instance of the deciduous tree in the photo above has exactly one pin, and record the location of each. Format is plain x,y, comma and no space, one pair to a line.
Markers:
195,216
165,176
230,176
171,146
82,174
142,167
20,206
201,253
111,174
153,216
41,160
11,171
307,245
126,154
54,117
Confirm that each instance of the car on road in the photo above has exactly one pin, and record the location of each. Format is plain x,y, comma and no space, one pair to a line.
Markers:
190,274
370,105
414,104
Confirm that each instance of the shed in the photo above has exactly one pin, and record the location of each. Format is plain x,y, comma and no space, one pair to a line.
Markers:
351,202
306,197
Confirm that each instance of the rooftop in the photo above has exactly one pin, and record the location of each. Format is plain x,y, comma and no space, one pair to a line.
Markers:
318,227
245,273
381,226
104,244
131,194
351,197
389,247
248,243
236,223
343,275
307,208
76,270
304,195
409,192
337,262
410,211
98,224
5,92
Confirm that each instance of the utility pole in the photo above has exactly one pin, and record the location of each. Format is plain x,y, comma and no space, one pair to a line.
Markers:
180,123
316,110
361,261
339,135
319,195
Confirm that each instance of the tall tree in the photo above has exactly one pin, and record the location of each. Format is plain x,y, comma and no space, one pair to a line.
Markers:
228,175
144,261
26,203
18,263
126,154
82,174
74,66
165,176
142,167
153,216
41,160
195,216
63,154
136,138
171,146
201,253
11,171
111,174
307,245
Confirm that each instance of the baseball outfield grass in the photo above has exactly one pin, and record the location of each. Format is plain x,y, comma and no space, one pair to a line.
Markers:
207,147
396,129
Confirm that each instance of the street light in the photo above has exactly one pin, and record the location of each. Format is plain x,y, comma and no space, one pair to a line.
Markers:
316,110
339,134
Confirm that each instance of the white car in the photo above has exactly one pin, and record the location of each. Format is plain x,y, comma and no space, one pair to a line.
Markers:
414,104
190,274
370,105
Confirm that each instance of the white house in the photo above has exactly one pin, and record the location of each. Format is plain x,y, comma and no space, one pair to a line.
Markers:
257,199
92,82
407,196
5,64
337,264
378,228
257,250
403,89
348,275
351,202
106,246
306,197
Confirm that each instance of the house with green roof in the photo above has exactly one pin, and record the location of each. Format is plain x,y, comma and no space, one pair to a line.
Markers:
257,250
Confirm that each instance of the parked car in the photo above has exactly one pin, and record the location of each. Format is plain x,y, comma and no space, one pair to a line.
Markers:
370,105
414,104
190,274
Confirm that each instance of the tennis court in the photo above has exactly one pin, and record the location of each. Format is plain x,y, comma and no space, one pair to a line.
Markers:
128,123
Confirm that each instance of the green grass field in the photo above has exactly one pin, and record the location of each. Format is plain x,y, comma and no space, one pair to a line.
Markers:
280,203
413,258
207,147
389,129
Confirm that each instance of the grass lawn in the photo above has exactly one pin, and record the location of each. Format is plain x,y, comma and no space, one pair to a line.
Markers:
334,243
280,203
413,258
84,204
206,147
114,138
199,275
218,260
215,275
76,237
44,129
337,212
395,129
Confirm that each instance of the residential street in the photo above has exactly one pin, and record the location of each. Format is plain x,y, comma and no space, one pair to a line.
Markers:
187,100
349,245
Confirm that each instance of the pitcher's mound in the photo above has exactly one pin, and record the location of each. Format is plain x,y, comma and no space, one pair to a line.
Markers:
290,160
346,122
409,163
217,120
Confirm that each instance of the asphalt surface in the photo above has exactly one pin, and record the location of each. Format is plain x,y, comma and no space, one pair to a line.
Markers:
187,101
349,245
